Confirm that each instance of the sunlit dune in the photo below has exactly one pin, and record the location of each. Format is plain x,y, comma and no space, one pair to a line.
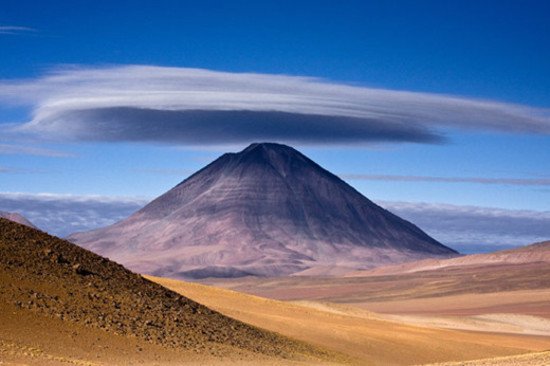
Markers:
367,337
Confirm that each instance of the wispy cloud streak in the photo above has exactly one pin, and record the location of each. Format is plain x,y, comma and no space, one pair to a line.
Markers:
9,149
477,180
15,29
196,106
11,170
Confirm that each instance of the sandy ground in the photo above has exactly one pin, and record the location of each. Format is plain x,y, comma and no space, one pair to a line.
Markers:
529,302
498,323
27,338
368,338
518,289
510,301
63,305
533,359
31,339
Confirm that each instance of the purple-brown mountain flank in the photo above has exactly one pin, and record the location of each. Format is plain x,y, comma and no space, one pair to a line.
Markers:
15,217
267,211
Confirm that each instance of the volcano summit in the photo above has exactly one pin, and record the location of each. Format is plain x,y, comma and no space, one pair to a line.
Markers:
268,211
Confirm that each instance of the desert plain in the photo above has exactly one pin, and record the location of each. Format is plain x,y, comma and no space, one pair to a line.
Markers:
467,314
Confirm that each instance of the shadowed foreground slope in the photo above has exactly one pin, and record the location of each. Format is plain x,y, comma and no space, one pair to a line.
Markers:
43,277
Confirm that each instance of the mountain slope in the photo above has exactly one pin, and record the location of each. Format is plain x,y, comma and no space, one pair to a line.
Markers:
54,279
537,253
15,217
268,210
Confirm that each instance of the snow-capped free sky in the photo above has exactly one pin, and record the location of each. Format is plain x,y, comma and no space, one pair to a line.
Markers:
417,104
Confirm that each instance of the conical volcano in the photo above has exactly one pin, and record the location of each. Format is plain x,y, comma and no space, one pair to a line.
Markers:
267,210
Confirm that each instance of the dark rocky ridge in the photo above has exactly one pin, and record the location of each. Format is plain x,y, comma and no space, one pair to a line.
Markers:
55,278
267,210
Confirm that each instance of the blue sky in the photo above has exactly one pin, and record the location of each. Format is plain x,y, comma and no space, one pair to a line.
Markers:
472,129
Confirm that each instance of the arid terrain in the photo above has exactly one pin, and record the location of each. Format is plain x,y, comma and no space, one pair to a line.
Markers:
469,285
531,359
536,253
61,304
369,338
274,183
504,296
64,305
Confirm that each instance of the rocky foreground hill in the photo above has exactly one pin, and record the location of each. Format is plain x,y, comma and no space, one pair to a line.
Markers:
53,278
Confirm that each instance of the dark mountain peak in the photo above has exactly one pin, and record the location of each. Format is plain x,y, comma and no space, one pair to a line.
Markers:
269,152
268,158
273,146
263,153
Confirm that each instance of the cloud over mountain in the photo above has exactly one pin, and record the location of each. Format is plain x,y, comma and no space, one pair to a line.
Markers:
197,106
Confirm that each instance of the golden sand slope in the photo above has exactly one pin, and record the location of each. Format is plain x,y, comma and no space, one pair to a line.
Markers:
532,359
366,337
501,323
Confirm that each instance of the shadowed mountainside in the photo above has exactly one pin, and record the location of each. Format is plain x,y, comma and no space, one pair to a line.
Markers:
267,210
50,277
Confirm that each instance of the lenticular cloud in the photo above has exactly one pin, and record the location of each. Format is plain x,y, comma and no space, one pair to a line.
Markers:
192,106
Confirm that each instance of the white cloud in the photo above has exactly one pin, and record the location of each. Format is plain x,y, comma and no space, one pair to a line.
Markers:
62,215
196,106
474,228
